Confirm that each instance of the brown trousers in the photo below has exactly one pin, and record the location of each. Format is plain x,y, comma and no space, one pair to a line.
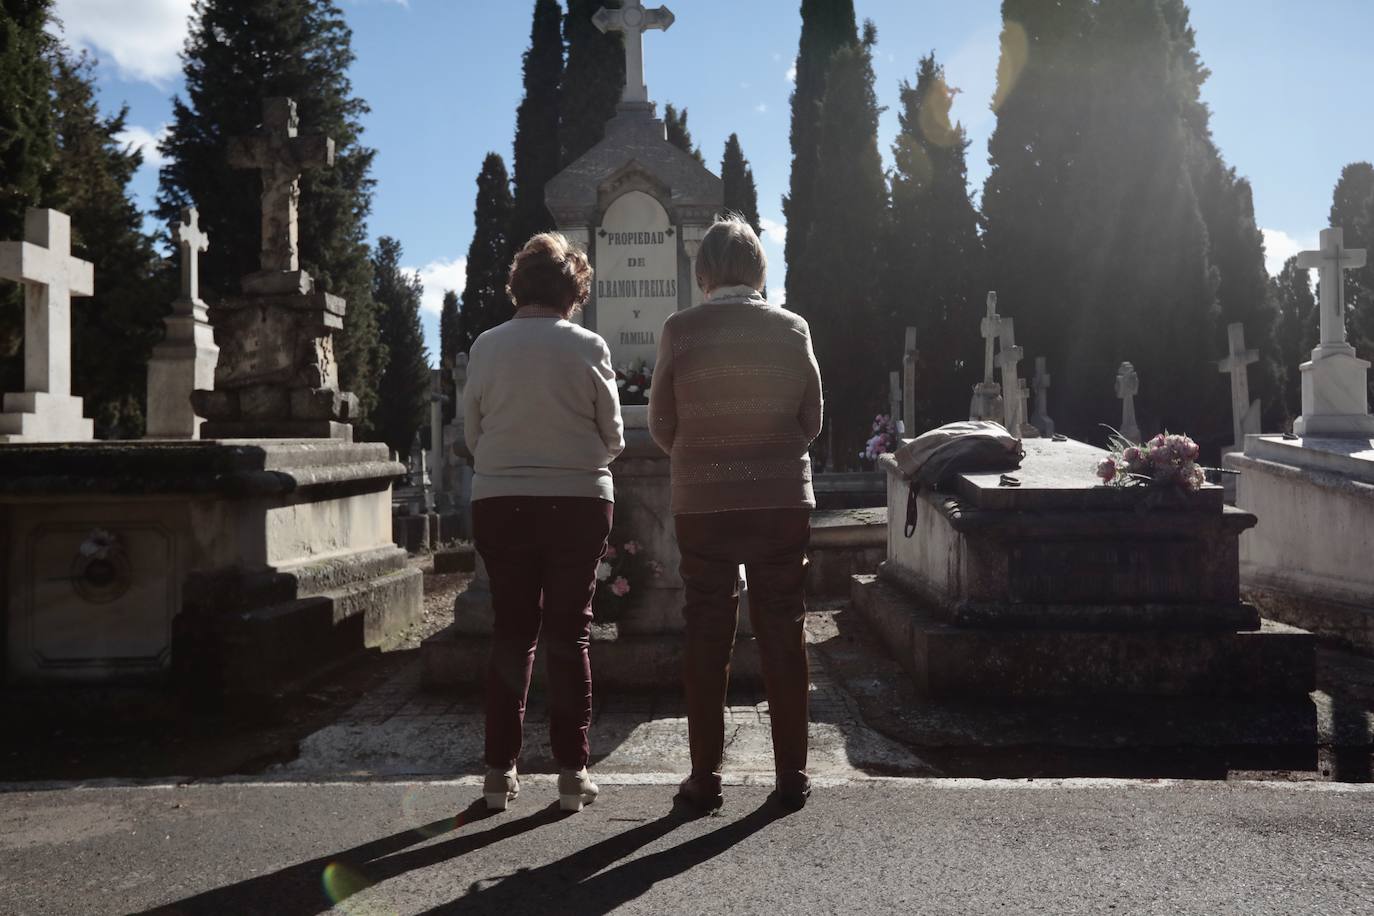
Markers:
771,543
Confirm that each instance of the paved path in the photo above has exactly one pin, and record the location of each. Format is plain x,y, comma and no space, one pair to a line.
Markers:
866,846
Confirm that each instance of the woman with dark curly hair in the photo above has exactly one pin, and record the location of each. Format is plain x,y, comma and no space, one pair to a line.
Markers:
543,425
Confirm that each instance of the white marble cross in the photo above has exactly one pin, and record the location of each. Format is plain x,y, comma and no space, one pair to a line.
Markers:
1008,360
1236,365
1041,420
991,329
634,20
1332,260
193,241
1127,387
51,276
281,155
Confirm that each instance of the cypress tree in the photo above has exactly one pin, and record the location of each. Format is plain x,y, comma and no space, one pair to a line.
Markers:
113,332
1146,293
933,253
845,251
827,26
741,194
403,391
675,122
1035,154
593,80
238,53
1296,333
27,149
1235,245
537,155
485,303
1352,209
449,328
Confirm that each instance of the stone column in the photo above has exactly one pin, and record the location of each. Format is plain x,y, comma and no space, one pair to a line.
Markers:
691,244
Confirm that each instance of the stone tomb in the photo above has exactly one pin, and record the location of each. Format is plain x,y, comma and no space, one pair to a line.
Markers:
1061,589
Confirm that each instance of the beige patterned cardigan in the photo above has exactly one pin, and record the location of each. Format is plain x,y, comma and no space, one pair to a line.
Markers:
736,402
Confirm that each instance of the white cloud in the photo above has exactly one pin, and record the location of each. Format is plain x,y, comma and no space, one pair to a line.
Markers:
791,75
761,108
438,276
142,37
1279,246
774,232
145,141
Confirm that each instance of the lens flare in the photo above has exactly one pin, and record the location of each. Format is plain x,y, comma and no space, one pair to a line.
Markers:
341,882
413,811
1015,54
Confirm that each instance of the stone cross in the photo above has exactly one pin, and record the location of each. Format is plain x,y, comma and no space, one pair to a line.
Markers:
1041,419
43,263
280,154
193,241
1007,361
1023,408
991,330
1332,260
634,20
909,354
894,398
1243,413
1127,387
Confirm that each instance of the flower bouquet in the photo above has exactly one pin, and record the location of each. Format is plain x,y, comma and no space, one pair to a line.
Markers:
883,440
621,575
1166,462
634,382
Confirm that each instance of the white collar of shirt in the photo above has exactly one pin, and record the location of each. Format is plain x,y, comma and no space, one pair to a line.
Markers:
737,295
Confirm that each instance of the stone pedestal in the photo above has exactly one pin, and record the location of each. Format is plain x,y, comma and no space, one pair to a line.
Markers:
1064,590
184,362
237,568
1307,562
1335,394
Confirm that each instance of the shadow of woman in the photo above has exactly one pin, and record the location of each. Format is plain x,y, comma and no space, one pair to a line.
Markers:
576,885
315,886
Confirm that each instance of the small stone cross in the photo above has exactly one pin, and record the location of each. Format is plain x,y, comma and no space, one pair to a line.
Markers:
1007,361
991,330
1041,420
192,240
634,20
909,356
1127,387
281,155
43,263
1236,364
1332,260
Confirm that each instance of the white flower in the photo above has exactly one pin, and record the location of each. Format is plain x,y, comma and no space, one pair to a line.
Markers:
603,571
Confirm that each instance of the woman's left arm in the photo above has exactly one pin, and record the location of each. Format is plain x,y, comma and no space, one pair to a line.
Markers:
608,419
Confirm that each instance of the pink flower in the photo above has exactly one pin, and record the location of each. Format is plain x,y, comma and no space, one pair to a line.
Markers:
1106,469
620,587
632,547
610,552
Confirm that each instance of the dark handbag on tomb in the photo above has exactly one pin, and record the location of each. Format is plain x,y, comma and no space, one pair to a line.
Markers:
935,459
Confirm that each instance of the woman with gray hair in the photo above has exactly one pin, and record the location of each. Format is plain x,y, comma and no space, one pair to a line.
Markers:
736,403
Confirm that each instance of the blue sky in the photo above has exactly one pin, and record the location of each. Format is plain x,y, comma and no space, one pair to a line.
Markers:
443,79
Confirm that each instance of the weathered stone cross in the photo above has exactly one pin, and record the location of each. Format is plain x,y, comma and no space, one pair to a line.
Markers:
1236,364
634,20
1127,387
192,240
51,276
1332,260
991,329
1041,420
1008,361
281,155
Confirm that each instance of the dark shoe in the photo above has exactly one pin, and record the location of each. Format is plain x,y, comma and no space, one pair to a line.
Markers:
702,793
793,790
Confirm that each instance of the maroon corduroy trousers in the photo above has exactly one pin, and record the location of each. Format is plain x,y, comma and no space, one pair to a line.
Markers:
541,554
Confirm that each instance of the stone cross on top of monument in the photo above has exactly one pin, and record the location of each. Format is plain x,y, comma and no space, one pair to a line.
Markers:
192,241
992,329
1127,387
1244,418
280,153
1332,260
634,20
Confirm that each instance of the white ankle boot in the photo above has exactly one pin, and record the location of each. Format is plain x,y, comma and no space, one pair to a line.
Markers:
500,788
575,789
